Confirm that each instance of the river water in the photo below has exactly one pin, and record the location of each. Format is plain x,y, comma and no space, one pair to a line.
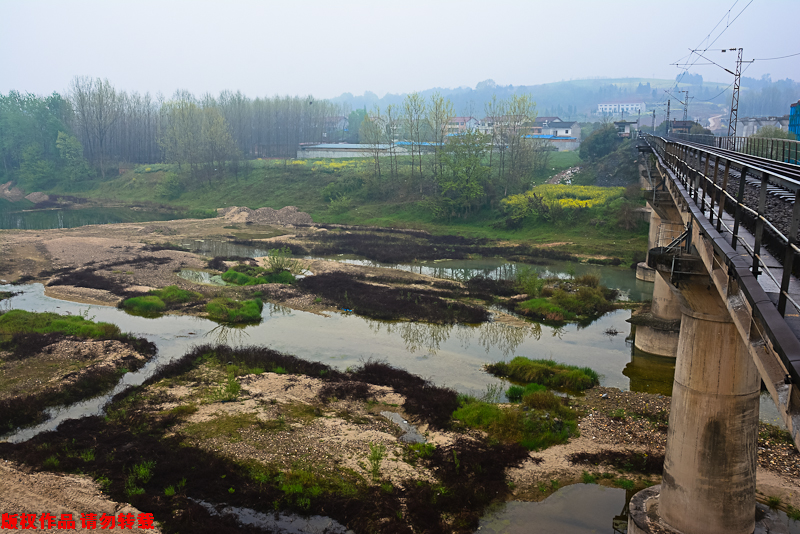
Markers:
46,219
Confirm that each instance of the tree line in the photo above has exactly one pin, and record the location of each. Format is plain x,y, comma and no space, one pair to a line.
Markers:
100,127
420,148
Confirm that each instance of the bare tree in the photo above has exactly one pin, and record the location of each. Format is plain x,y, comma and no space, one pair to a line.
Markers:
440,113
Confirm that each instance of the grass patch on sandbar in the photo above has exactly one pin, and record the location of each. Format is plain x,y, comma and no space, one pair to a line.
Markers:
159,300
232,311
546,373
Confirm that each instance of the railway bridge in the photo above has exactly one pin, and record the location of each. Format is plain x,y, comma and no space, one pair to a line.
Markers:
723,252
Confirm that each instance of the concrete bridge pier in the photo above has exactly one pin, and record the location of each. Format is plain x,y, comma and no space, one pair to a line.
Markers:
709,478
657,331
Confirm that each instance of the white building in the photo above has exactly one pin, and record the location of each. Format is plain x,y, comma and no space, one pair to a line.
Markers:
619,107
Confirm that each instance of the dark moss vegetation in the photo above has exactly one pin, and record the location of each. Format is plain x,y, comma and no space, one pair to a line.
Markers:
354,294
546,373
470,473
629,461
25,334
30,409
218,262
394,246
88,277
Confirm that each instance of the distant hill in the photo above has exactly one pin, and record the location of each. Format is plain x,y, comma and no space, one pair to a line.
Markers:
578,99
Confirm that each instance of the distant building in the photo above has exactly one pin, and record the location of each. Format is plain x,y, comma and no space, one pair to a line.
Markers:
750,125
681,127
619,107
624,128
346,150
794,120
557,128
462,124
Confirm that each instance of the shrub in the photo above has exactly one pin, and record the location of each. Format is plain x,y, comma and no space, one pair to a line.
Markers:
535,429
231,311
528,282
170,187
280,259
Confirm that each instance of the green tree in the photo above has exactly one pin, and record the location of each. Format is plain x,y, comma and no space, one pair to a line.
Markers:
699,130
72,164
601,142
354,121
464,177
36,172
773,132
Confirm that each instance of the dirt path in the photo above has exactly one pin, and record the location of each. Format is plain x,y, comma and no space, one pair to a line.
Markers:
22,491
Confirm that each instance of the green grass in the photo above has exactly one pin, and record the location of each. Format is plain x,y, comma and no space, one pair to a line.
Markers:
158,300
176,295
230,311
546,373
546,422
225,426
547,310
515,393
274,185
257,276
20,321
148,305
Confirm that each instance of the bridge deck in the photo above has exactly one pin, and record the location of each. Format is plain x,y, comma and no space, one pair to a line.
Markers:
771,287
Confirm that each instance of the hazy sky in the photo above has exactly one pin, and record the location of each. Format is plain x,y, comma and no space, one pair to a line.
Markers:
329,47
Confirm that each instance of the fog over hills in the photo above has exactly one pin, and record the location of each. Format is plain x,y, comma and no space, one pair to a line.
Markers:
578,99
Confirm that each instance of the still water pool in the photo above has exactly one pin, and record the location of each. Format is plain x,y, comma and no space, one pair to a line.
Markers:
46,219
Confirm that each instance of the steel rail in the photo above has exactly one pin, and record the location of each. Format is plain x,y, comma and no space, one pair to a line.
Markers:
746,208
782,172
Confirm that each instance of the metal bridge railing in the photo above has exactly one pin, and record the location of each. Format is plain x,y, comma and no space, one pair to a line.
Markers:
783,150
703,173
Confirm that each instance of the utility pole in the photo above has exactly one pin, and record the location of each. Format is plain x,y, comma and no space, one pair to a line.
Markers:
668,103
686,106
735,99
654,122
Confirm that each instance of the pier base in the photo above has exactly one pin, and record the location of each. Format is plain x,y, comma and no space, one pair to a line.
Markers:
710,464
660,335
